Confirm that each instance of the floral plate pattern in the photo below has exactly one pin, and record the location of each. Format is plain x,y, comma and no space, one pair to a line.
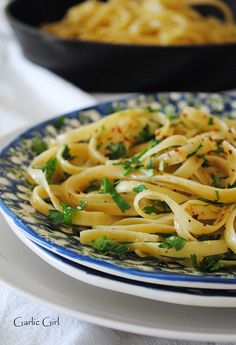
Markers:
15,192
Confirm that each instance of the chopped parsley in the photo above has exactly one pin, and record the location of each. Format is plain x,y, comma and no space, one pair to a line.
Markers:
107,187
219,149
149,209
195,151
140,188
58,123
154,142
56,217
208,264
129,165
117,151
68,212
162,165
49,169
144,135
38,146
82,204
217,195
66,154
140,154
216,181
105,245
211,121
173,242
65,217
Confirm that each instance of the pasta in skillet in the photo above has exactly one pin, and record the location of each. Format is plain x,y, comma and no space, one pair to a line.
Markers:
161,22
141,181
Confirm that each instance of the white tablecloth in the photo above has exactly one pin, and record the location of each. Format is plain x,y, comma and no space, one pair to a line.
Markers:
24,97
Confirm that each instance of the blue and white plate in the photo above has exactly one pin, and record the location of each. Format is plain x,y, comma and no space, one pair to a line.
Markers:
15,192
170,294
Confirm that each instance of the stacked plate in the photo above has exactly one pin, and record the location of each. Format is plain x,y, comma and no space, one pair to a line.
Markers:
60,247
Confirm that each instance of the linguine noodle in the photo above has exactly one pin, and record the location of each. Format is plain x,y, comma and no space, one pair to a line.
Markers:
161,22
138,180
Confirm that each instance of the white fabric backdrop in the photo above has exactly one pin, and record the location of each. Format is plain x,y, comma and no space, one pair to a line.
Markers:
24,97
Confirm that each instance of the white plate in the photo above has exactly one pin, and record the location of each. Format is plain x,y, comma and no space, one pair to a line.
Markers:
21,269
188,296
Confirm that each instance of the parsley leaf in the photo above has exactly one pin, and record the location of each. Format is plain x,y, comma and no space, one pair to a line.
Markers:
55,217
140,188
38,146
117,151
58,123
129,165
49,169
208,264
211,121
173,242
144,135
217,195
82,204
107,187
216,181
154,142
149,209
219,149
68,212
195,151
66,154
105,245
66,216
121,249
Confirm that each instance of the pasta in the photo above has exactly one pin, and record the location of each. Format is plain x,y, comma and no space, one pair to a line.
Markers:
161,22
141,181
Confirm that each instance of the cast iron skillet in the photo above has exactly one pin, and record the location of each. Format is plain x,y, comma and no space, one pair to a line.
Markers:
102,67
